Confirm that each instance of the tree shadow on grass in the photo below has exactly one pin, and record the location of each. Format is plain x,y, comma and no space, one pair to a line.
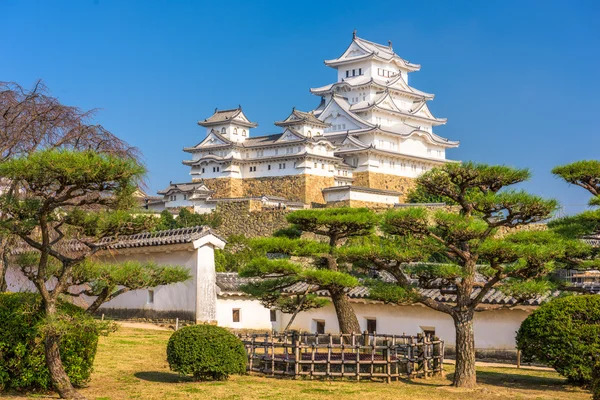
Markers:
506,380
162,377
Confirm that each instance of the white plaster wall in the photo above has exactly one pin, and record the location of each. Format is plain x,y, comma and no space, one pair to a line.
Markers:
373,197
348,194
493,329
252,314
175,297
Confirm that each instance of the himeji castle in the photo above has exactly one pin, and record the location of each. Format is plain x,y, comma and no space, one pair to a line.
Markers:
367,140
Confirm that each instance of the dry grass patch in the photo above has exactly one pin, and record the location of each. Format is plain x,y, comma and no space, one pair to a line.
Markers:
131,364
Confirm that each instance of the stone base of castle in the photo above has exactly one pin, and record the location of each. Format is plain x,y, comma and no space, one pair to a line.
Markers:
302,188
376,180
224,187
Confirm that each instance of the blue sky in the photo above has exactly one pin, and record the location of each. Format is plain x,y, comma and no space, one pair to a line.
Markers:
517,80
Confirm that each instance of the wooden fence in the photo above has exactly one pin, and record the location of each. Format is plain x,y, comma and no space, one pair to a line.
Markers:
353,356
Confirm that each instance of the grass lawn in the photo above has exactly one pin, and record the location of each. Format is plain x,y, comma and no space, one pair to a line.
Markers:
131,364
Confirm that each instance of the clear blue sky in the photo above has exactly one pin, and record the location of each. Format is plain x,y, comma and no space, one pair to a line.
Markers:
517,80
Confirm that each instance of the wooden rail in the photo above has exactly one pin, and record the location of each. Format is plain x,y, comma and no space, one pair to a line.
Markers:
353,356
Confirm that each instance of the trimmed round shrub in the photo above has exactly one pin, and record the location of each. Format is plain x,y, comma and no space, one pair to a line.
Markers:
564,334
22,333
206,352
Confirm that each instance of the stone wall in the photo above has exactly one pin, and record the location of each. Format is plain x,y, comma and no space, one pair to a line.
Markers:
244,218
303,188
313,186
224,187
290,187
375,180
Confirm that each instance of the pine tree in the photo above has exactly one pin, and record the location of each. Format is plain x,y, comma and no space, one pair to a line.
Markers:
473,255
67,206
312,262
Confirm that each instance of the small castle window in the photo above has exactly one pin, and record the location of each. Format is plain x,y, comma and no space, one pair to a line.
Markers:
319,326
150,296
309,134
185,196
244,132
235,315
371,325
223,130
353,72
360,71
269,167
347,73
202,170
273,315
235,131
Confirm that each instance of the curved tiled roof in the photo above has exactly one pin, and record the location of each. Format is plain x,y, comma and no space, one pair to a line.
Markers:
230,283
144,239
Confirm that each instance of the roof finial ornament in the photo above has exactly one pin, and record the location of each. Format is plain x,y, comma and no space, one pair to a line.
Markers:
294,108
354,34
216,108
240,106
390,43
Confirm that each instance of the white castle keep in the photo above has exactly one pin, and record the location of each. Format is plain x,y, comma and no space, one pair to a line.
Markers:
369,137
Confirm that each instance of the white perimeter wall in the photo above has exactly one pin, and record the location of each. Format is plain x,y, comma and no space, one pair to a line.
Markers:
493,329
252,314
175,297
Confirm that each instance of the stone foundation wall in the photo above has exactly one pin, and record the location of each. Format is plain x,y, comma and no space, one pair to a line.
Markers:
375,180
313,186
224,187
303,188
244,218
290,187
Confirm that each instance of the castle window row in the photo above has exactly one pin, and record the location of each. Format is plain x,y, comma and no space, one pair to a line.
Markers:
385,73
354,72
235,131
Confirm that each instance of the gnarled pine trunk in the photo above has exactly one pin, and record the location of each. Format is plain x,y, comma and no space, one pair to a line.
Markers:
60,380
464,375
344,311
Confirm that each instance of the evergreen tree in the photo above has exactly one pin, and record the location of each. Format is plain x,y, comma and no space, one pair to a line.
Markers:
585,174
312,262
475,255
66,207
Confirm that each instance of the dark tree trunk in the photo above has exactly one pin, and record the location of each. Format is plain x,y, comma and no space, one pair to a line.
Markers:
464,375
60,380
3,264
344,311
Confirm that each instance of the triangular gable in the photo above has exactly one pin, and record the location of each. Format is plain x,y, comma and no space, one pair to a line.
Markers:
355,50
336,109
289,135
421,109
351,143
241,117
214,139
386,101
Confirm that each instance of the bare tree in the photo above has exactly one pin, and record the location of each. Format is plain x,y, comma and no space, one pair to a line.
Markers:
32,119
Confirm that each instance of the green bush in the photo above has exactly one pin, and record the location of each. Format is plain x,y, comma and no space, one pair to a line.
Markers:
565,334
22,332
206,352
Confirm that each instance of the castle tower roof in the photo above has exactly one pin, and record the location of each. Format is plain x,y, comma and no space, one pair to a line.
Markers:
234,115
300,118
361,49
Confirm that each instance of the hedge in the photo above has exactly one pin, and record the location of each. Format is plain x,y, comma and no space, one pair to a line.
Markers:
206,352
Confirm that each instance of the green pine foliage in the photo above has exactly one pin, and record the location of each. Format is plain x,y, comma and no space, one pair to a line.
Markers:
206,352
564,334
287,259
468,251
22,360
186,219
